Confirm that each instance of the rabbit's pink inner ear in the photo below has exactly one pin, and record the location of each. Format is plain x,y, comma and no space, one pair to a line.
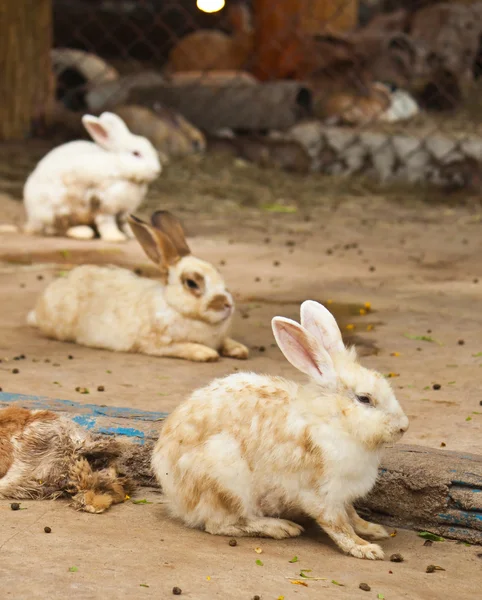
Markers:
301,350
322,325
97,131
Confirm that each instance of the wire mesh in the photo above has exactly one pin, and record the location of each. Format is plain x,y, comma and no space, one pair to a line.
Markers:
382,86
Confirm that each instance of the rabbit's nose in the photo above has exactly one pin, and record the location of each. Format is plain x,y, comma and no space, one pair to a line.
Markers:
404,426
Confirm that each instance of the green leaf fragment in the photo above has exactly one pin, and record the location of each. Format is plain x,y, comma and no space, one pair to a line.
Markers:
143,585
64,253
468,419
279,208
337,583
423,338
426,535
259,563
144,501
451,382
294,559
427,387
477,354
73,569
381,597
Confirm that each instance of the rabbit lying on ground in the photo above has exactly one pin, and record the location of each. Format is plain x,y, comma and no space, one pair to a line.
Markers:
81,184
43,455
188,315
249,449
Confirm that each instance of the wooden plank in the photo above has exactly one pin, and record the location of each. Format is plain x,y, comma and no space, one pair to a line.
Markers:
131,423
418,487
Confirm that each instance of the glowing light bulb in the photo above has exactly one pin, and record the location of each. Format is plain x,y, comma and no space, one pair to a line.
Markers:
210,6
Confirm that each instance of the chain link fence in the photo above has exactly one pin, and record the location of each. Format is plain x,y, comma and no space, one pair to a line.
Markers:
379,87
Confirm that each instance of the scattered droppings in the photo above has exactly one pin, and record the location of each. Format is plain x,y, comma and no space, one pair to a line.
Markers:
442,444
476,280
233,543
256,597
15,506
262,349
222,263
372,268
40,277
365,587
82,390
100,388
461,342
396,558
47,530
276,263
138,271
291,243
15,371
433,568
329,251
70,357
176,591
257,279
267,240
436,386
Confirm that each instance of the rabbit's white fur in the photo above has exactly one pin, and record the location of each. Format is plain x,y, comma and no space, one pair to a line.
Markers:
84,183
249,449
112,308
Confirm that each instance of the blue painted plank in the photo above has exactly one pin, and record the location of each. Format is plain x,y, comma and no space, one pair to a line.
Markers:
46,403
137,425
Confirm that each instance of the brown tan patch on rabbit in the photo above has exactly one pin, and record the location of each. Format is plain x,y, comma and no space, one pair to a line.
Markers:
188,315
248,452
44,455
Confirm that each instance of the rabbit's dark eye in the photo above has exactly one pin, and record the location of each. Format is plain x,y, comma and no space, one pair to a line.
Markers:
364,399
136,153
192,284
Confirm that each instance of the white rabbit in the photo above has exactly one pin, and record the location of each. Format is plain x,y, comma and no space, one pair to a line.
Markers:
188,315
82,184
249,449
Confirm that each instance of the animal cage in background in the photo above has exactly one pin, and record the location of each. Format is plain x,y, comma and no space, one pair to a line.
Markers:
380,87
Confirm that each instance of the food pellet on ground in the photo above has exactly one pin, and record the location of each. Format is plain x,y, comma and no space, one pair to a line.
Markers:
397,558
365,587
436,386
47,530
15,506
176,591
233,543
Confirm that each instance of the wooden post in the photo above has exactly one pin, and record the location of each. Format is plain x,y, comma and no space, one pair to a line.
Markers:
26,81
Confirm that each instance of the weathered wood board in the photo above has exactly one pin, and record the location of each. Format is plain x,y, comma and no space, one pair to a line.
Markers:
418,487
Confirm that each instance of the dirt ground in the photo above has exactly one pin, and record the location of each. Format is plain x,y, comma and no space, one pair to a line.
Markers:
278,240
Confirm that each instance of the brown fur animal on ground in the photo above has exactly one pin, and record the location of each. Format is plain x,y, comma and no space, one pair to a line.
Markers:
44,455
211,50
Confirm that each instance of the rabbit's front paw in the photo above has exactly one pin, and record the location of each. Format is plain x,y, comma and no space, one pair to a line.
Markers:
80,232
233,349
113,235
368,551
203,354
373,531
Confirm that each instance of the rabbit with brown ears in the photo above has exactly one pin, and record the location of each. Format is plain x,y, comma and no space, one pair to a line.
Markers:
248,451
187,315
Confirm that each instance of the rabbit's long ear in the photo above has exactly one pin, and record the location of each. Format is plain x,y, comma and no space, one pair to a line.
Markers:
166,222
98,131
156,244
302,350
322,325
